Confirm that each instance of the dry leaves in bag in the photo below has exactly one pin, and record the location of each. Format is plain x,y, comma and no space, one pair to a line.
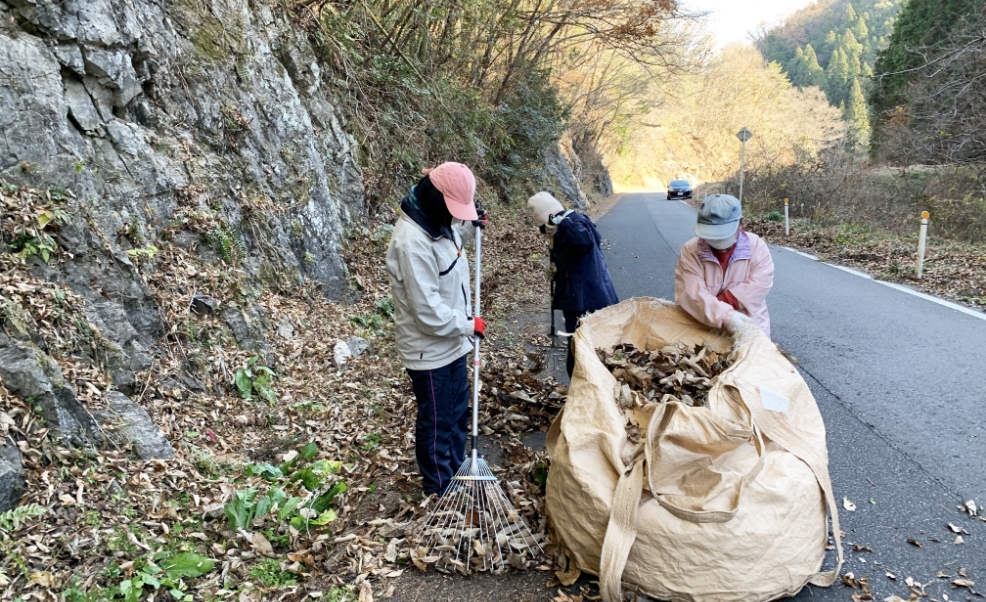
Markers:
674,372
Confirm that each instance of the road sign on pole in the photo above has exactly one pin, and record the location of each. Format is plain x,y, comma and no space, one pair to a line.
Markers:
744,135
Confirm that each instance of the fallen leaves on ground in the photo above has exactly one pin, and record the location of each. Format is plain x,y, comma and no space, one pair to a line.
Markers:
952,270
106,517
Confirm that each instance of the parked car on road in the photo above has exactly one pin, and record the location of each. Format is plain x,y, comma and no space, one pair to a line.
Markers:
679,189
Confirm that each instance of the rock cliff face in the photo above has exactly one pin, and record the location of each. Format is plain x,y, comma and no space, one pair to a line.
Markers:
155,116
143,108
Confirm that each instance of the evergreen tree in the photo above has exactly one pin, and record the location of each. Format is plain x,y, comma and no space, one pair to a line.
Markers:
828,47
797,69
921,23
850,13
855,68
837,78
860,30
849,44
856,114
814,74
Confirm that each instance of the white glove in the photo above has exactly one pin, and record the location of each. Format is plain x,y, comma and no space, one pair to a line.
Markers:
737,322
550,271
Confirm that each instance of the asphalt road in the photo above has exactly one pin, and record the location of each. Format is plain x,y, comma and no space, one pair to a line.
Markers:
900,383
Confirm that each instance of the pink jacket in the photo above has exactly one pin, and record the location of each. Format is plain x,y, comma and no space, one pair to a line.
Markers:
699,279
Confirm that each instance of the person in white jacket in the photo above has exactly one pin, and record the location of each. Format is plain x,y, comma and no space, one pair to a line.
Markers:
429,279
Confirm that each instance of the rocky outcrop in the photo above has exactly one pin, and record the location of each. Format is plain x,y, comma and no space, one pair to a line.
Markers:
127,421
31,375
575,170
11,481
148,117
562,166
146,109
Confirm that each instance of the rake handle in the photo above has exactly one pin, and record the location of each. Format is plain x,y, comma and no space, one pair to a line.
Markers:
475,364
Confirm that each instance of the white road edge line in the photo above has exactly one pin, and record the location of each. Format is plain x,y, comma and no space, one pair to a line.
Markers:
949,304
899,287
811,257
851,271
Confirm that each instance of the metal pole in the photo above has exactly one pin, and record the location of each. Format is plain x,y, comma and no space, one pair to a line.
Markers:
921,240
787,219
742,169
476,383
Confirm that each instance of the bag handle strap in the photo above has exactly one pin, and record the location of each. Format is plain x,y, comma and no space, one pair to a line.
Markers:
781,433
621,531
659,430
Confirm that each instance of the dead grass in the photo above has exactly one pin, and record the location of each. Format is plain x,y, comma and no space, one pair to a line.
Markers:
952,270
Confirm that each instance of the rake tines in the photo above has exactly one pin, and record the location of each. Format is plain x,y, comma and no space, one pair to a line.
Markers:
474,527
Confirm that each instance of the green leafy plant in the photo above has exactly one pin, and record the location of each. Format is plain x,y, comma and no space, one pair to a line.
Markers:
265,470
371,441
165,571
339,594
540,474
12,519
268,572
248,507
385,307
774,216
227,243
254,378
149,251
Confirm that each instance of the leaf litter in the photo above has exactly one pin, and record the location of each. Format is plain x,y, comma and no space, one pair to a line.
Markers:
109,520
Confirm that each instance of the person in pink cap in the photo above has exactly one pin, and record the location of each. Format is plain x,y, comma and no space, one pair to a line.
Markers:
429,280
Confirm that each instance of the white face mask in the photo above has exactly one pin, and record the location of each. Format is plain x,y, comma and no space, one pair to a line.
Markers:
721,244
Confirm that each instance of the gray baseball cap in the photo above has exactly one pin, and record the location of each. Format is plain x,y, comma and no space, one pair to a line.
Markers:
718,217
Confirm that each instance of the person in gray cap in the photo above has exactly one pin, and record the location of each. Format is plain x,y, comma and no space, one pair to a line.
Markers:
724,274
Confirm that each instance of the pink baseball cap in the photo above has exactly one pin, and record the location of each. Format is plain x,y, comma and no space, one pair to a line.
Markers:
458,186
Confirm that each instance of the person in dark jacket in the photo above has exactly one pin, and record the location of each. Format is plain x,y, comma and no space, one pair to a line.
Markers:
582,282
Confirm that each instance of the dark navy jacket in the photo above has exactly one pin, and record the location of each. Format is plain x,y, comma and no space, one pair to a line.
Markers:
582,282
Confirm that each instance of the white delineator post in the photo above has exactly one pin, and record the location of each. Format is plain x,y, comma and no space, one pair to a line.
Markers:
787,219
921,242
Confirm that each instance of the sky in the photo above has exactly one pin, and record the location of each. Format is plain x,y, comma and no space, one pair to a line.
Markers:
731,20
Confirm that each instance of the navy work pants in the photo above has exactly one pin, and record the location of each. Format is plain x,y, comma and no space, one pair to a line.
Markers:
442,423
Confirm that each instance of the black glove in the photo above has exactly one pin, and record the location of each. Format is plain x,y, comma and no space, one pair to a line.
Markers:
482,219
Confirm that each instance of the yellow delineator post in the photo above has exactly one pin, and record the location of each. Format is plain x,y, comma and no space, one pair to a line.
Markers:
921,240
787,219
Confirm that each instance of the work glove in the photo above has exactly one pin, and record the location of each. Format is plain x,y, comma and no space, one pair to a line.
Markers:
550,271
483,218
737,322
479,327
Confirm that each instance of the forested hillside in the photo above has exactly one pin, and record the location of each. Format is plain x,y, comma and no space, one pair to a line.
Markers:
833,44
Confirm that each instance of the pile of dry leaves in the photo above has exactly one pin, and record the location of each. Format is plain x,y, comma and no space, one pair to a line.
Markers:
672,373
518,395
